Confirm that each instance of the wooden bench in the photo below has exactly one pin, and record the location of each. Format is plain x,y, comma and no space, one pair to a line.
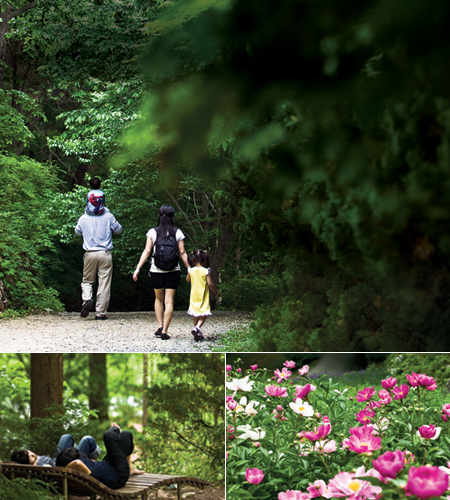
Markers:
72,483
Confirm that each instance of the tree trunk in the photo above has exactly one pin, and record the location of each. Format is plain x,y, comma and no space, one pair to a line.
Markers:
144,397
46,373
98,385
218,258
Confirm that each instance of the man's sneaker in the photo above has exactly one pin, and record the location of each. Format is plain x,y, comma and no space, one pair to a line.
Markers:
195,333
101,317
164,336
158,332
86,308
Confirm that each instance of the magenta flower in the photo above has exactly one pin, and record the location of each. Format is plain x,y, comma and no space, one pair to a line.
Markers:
426,482
388,383
365,416
429,432
293,495
446,409
444,417
254,367
228,368
373,405
401,392
254,476
283,375
317,489
362,440
365,394
420,379
383,394
302,392
303,370
289,364
276,391
232,404
389,464
321,432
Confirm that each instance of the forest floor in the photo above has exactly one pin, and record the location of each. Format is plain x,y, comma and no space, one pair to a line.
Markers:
121,332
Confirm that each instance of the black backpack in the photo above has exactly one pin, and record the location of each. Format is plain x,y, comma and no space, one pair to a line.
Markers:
166,253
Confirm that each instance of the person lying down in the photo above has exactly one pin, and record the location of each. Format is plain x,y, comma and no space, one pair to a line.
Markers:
115,469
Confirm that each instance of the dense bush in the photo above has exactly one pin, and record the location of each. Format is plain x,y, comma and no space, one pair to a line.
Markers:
26,489
26,188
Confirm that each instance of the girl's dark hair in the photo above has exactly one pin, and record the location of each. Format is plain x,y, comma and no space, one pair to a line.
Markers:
191,259
201,256
66,456
165,222
21,457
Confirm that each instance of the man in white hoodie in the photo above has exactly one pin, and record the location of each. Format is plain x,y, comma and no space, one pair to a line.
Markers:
97,228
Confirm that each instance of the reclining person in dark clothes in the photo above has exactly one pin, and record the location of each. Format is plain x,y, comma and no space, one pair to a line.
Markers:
115,469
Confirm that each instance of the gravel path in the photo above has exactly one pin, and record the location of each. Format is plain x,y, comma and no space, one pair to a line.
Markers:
122,332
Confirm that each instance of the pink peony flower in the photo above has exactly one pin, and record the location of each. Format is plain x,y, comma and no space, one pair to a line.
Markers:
446,409
429,432
302,392
283,375
254,367
304,370
383,394
293,495
289,364
389,464
239,370
228,368
362,440
321,432
388,383
256,444
420,379
226,455
276,391
444,417
365,416
325,446
373,405
365,394
401,392
426,482
325,419
317,489
345,484
254,476
232,404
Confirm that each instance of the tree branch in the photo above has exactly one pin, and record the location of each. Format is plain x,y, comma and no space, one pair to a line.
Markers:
20,10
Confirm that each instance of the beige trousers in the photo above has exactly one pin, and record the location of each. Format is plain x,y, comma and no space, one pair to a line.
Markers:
97,264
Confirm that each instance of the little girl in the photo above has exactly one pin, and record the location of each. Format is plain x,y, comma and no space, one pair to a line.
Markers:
200,279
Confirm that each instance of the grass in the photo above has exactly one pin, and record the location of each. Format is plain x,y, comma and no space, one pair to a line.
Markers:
236,340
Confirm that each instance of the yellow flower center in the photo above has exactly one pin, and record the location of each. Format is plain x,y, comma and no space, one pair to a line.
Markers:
354,485
301,408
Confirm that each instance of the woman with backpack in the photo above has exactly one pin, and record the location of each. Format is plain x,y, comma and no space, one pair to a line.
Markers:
168,247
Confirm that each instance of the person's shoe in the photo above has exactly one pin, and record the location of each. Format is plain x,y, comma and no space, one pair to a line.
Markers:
101,317
86,308
200,334
164,336
158,332
195,333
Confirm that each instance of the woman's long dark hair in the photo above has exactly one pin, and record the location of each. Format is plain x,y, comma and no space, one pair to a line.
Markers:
165,222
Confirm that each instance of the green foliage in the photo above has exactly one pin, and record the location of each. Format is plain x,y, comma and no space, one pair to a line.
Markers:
439,364
13,126
340,155
25,232
236,340
26,489
187,409
250,286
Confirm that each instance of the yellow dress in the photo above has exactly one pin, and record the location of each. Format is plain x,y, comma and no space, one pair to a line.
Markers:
199,304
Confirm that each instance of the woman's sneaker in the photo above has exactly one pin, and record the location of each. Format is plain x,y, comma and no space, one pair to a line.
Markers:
158,332
164,336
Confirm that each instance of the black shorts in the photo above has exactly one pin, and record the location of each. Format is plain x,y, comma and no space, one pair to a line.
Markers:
165,280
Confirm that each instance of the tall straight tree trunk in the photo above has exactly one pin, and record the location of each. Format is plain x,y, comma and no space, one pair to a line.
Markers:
46,373
98,385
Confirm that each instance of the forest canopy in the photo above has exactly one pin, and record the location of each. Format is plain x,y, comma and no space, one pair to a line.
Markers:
303,143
